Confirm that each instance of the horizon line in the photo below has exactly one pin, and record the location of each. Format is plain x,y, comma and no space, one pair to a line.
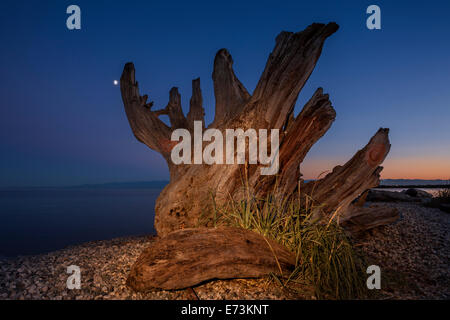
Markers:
161,181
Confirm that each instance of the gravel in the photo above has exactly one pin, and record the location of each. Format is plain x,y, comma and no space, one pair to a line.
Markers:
413,255
104,268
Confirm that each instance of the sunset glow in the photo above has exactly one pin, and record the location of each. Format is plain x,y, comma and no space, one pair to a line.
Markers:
394,168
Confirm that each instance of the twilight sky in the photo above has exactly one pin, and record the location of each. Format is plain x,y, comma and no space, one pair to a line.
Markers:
62,121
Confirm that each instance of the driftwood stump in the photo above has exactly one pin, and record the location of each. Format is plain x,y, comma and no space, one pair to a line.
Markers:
270,106
183,258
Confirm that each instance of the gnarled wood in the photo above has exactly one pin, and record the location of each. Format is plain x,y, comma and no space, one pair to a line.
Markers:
360,219
146,125
188,257
188,195
230,93
288,68
345,183
301,134
196,111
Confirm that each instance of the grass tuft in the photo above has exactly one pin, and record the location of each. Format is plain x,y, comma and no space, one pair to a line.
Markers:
324,254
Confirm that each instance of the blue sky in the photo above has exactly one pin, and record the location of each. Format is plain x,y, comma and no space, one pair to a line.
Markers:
62,121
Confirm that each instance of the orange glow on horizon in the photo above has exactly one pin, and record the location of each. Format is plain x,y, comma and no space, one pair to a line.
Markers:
394,168
416,168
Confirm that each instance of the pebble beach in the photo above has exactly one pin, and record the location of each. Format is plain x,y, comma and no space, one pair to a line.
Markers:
413,254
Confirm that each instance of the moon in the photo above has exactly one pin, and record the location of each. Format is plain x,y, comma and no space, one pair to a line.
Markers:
116,82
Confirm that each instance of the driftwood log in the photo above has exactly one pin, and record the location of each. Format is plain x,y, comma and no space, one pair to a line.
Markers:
187,257
410,195
188,195
361,219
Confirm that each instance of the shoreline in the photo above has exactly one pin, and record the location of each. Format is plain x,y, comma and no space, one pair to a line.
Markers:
105,265
80,244
413,254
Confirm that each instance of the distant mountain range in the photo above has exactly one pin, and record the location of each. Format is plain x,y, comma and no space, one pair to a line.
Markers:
124,185
413,182
162,184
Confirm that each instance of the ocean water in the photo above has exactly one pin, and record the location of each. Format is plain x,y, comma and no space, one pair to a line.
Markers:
34,221
433,191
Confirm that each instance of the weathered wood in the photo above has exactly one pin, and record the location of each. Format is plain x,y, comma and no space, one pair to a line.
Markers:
390,196
360,219
339,188
146,125
409,195
188,257
188,195
288,67
229,92
196,111
301,134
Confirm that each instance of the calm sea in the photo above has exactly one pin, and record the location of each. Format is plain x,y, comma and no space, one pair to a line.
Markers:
35,221
433,191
